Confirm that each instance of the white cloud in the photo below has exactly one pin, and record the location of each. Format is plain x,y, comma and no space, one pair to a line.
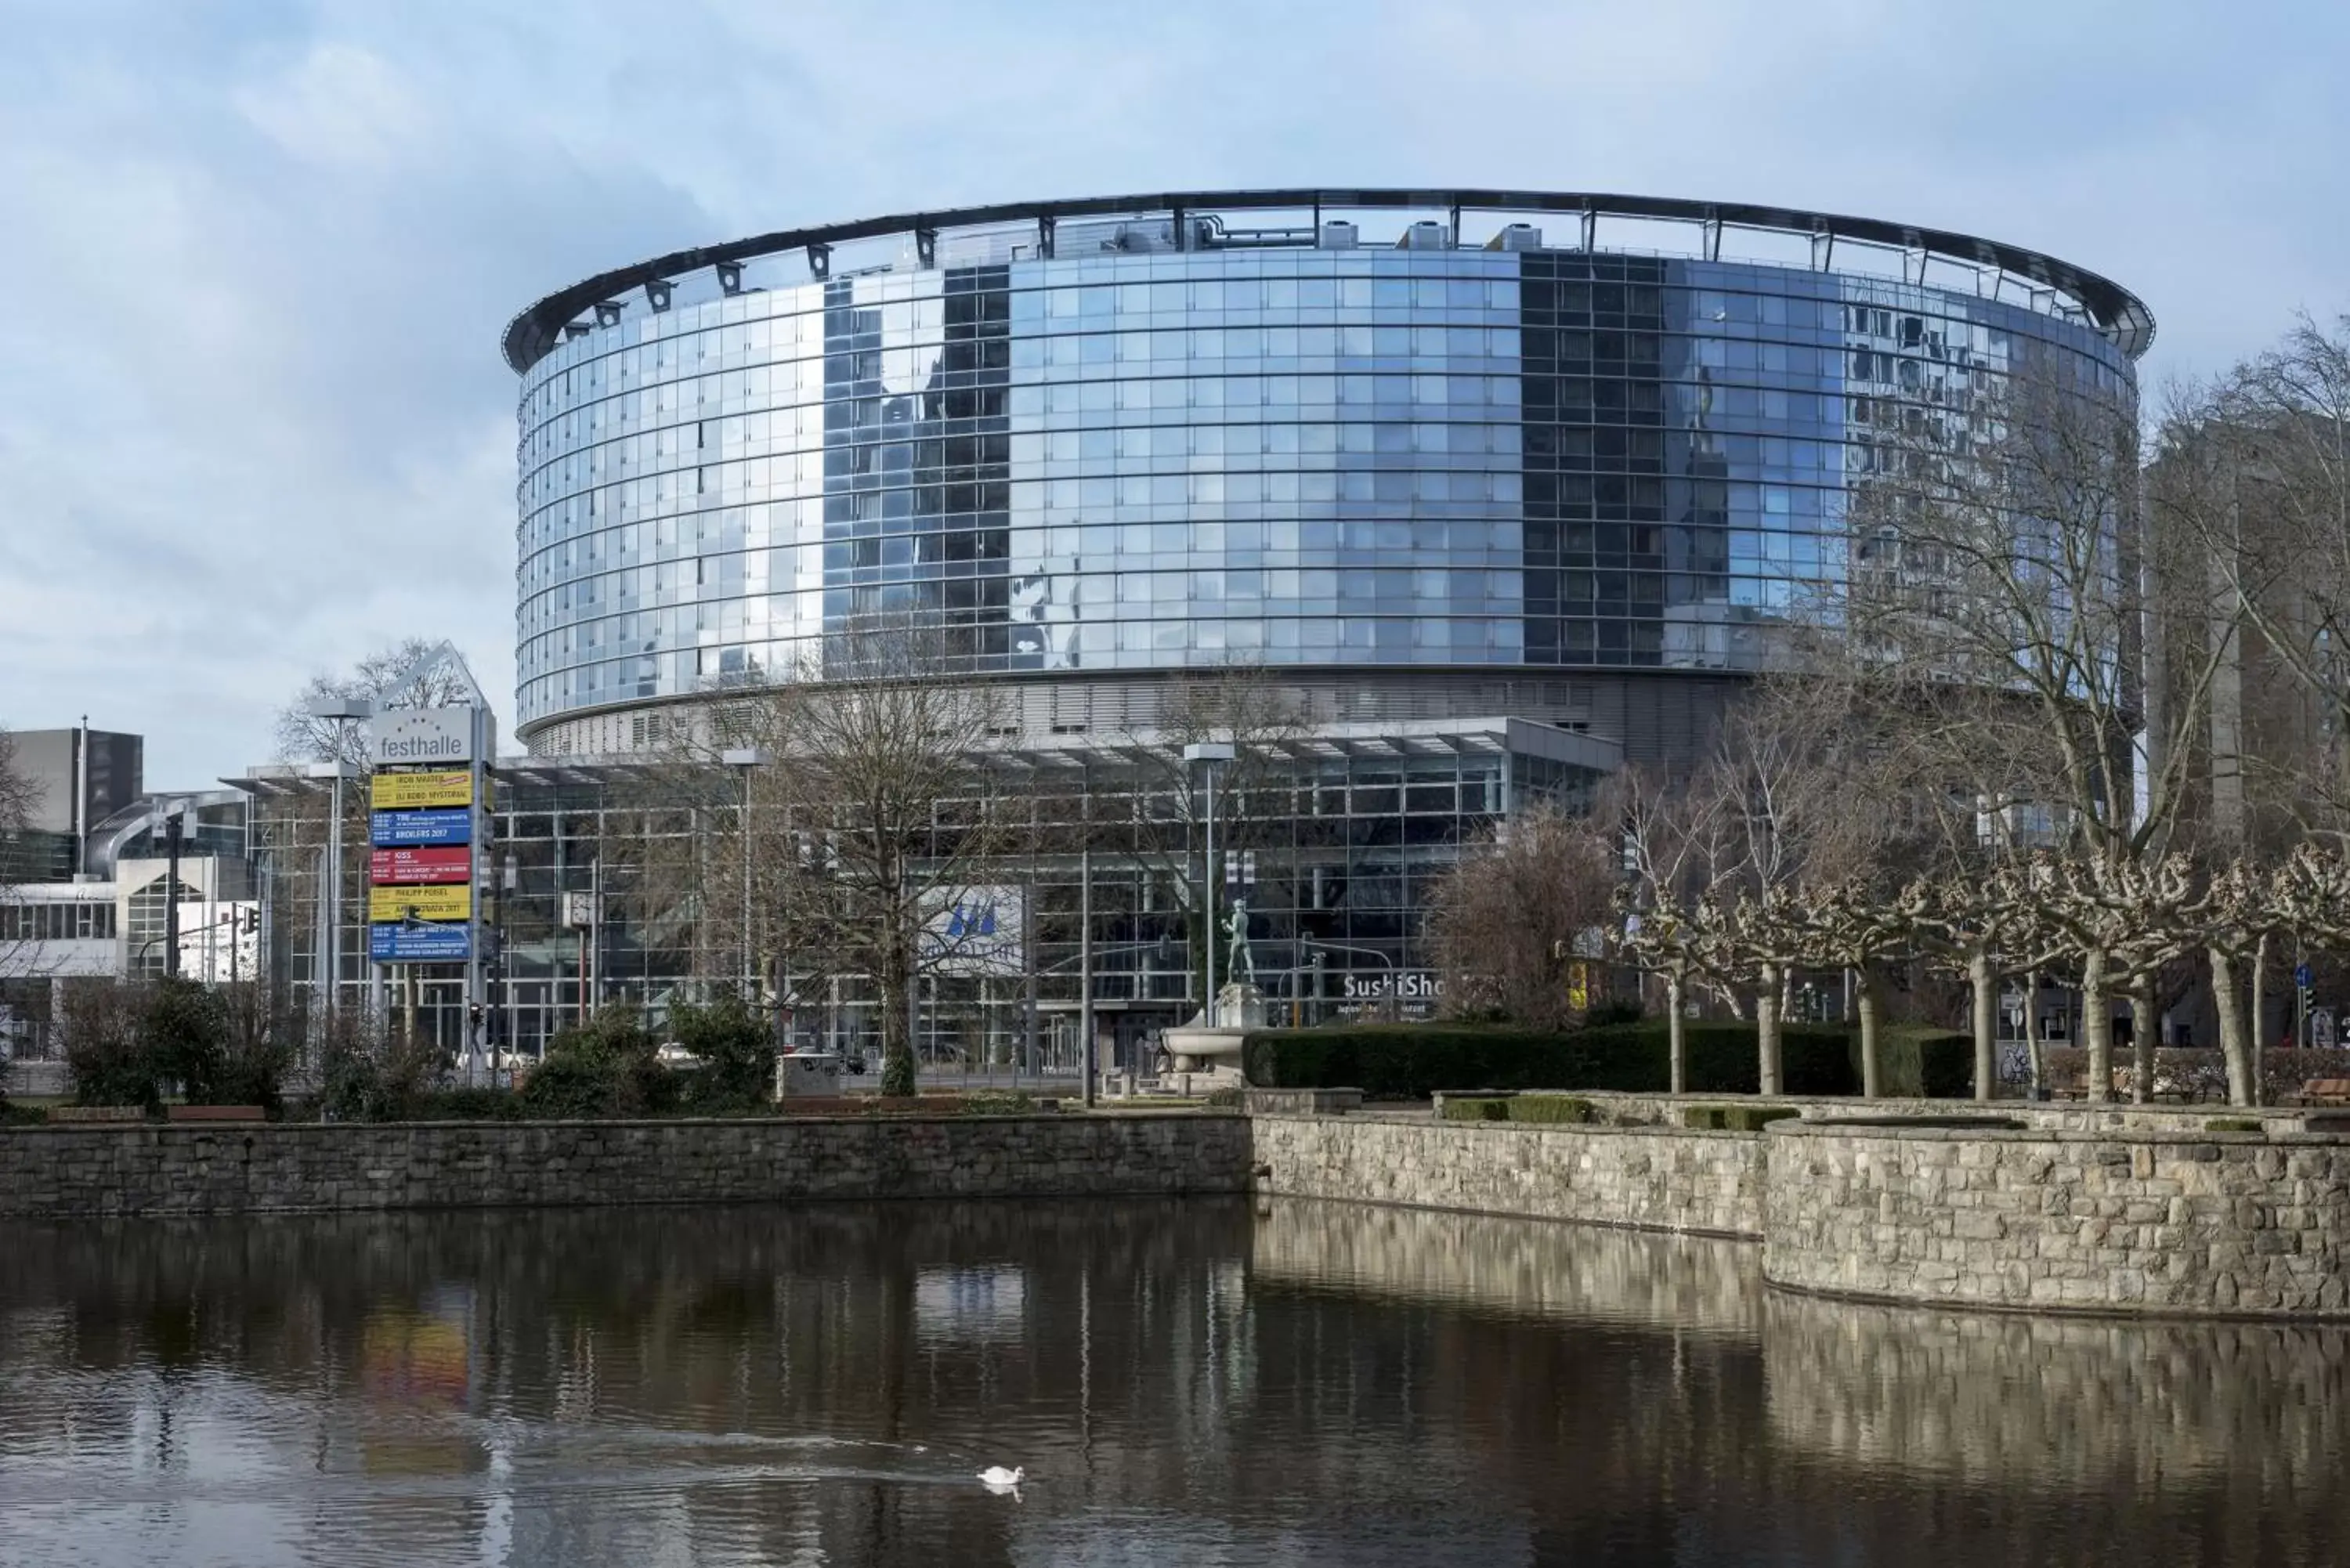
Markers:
251,418
338,105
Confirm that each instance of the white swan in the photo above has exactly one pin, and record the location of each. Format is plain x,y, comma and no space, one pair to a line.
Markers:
996,1475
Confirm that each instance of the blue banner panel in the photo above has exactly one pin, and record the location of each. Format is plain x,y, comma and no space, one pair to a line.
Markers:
395,943
393,829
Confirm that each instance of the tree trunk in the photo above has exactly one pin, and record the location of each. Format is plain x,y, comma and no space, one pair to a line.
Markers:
2257,1034
1982,986
2037,1047
1766,1029
2142,1040
1676,1034
1872,1072
2232,1028
2096,1028
896,982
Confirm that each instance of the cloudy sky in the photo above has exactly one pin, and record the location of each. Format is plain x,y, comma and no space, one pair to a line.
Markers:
254,257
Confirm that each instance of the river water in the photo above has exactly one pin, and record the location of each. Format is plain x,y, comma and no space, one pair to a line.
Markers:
1185,1383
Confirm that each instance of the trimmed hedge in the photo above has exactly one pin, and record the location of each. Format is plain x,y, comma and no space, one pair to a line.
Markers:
1735,1119
1921,1060
1551,1109
1546,1109
1413,1061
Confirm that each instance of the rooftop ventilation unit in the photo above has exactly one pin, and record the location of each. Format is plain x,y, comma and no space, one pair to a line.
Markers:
1338,236
1142,237
1424,235
1516,237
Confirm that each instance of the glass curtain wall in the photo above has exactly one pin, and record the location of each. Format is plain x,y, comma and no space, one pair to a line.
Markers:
1341,854
1295,457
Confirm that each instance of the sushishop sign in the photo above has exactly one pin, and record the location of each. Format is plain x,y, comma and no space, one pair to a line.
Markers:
399,737
1411,985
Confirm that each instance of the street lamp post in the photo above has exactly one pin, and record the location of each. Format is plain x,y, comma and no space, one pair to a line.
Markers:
1086,972
743,759
1210,752
174,833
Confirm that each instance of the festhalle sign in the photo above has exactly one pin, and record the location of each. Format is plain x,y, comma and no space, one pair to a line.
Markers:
406,737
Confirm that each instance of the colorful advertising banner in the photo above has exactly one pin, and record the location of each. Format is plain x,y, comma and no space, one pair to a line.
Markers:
420,944
415,867
387,829
420,903
411,791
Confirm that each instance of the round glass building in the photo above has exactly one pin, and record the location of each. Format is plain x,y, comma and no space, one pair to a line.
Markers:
1425,454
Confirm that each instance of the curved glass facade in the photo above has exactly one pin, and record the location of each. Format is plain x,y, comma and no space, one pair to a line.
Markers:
1303,456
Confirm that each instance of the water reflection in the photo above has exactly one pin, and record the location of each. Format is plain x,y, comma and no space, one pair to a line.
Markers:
1185,1383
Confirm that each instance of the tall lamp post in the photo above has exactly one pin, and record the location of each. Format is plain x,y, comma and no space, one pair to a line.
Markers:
1210,752
342,712
743,759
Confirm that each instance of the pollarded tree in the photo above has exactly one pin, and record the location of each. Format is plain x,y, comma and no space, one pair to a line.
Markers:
1754,944
1674,838
1810,805
2235,915
1850,925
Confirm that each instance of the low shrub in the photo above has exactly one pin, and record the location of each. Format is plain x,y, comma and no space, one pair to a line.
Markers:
106,1060
368,1073
1225,1099
1412,1061
1708,1118
1555,1108
737,1052
998,1103
603,1070
1476,1108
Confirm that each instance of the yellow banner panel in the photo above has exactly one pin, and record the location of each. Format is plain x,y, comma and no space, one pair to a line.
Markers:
418,791
420,903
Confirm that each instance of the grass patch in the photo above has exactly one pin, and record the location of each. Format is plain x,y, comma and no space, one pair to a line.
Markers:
2234,1124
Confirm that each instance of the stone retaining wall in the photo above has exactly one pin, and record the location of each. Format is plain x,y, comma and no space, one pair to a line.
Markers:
1651,1177
2132,1221
64,1172
2129,1220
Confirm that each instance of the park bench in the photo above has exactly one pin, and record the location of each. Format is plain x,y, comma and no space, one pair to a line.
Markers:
96,1114
215,1114
2325,1092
